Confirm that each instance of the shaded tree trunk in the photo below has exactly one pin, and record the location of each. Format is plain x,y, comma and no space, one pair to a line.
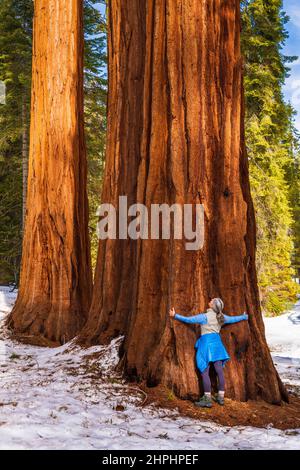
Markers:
55,285
175,135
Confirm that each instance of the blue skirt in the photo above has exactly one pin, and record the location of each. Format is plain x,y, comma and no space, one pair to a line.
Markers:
210,349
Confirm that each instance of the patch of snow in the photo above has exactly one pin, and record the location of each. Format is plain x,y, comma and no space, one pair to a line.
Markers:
283,336
67,398
283,333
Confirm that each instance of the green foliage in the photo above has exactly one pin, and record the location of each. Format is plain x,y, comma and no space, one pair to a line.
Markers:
95,90
294,178
271,139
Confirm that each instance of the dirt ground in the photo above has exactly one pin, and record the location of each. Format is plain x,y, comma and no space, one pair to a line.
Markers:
251,413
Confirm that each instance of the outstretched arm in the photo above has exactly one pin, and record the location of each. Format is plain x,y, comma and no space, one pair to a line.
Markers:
197,319
200,319
235,319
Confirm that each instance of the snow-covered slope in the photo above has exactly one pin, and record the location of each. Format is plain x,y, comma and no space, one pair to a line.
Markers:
67,398
283,336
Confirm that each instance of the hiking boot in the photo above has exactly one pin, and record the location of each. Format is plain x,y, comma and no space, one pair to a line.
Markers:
204,402
220,400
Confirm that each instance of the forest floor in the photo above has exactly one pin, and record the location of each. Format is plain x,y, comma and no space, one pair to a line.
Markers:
71,398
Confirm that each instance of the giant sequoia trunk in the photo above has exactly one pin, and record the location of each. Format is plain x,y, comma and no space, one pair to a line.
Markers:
25,152
175,135
55,286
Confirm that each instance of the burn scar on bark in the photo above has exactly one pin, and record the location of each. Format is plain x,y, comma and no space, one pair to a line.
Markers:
227,193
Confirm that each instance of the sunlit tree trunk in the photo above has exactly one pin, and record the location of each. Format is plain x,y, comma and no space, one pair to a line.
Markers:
25,151
175,135
55,286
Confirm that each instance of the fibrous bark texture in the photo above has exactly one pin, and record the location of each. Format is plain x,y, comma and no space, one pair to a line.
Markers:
175,135
56,282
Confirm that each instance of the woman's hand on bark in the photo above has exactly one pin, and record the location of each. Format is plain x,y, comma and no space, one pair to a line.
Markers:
172,312
246,315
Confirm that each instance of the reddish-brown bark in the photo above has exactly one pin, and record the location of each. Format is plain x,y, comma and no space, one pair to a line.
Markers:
175,134
56,282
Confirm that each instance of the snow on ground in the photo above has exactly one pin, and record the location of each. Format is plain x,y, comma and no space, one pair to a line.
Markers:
70,398
283,336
